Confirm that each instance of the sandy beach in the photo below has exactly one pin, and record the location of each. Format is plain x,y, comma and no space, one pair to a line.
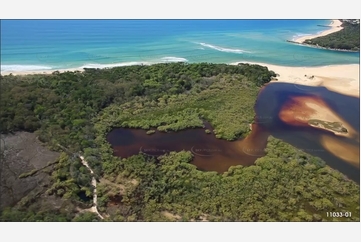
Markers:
335,26
344,79
22,73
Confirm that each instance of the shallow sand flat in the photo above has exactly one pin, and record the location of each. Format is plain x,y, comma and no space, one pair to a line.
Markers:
344,79
302,109
335,26
345,151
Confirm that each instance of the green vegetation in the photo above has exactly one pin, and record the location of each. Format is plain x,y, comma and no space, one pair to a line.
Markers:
292,186
14,215
150,131
86,217
70,178
346,39
223,100
77,110
33,172
61,106
333,126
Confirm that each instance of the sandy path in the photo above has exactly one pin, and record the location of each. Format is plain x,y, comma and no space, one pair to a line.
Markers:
335,26
94,208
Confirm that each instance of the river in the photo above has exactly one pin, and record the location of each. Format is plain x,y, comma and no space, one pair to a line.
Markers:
212,154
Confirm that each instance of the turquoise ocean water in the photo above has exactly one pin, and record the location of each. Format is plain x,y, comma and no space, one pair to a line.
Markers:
58,44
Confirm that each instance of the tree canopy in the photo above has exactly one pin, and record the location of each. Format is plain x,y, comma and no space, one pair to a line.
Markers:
77,110
346,39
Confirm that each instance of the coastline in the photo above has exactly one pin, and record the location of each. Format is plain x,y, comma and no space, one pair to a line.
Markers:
320,47
335,27
37,72
342,78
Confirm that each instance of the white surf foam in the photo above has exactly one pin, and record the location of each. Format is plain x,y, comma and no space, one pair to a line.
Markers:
219,48
133,63
299,35
20,68
100,66
173,59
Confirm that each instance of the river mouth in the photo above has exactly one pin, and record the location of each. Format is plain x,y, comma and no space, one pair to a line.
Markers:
340,151
213,154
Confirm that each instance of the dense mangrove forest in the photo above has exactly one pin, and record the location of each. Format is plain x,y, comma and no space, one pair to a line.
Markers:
72,113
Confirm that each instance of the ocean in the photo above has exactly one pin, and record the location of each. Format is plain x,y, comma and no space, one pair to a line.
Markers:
31,45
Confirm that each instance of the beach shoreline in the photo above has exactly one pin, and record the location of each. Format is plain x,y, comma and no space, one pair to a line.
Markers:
342,78
37,72
335,27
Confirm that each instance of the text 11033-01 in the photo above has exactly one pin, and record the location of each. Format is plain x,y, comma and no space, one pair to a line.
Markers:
338,214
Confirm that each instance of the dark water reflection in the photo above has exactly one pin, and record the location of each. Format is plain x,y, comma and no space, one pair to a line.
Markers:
212,154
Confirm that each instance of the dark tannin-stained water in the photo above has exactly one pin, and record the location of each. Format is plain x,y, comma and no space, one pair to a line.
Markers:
212,154
333,149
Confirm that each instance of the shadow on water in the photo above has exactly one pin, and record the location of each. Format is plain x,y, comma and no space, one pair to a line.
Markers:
212,154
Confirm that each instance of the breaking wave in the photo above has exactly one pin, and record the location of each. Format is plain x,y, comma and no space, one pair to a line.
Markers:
173,59
229,50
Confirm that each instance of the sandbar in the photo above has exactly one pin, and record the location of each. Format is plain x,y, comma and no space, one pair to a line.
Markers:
300,110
